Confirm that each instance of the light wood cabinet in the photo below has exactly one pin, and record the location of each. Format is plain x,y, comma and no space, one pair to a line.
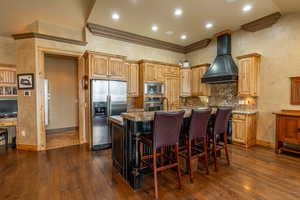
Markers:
199,88
244,129
172,92
106,66
99,66
248,74
8,81
133,79
117,70
149,72
185,82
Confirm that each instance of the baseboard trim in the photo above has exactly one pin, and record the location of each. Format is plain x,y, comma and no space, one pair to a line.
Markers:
27,147
265,144
58,130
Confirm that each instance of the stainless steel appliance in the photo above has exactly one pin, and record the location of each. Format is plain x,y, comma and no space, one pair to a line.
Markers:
153,103
153,89
107,98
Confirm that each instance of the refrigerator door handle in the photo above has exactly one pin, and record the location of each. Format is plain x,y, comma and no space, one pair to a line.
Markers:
108,105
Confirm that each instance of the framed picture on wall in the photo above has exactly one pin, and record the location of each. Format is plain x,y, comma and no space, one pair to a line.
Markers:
25,81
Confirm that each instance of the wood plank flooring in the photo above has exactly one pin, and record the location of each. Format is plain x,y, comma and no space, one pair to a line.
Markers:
63,139
77,173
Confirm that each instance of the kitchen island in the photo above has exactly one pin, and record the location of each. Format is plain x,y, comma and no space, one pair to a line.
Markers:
126,130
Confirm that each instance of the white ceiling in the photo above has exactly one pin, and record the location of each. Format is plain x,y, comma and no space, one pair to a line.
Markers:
137,16
15,15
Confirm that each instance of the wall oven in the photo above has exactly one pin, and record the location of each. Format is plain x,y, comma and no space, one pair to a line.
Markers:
153,89
153,103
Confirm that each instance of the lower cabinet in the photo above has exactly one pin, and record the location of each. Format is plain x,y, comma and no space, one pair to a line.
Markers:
244,129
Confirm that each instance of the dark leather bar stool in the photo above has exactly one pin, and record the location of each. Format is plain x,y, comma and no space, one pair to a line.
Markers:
196,139
166,129
4,136
220,127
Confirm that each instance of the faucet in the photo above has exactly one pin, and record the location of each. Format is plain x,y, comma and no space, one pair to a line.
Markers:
165,99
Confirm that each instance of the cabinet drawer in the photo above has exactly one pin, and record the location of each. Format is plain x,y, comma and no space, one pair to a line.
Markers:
239,116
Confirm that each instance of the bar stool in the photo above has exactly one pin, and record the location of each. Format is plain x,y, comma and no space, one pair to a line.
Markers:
166,129
4,136
220,127
197,131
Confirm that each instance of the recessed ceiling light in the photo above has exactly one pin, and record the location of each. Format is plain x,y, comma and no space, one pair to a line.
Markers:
169,32
115,16
178,12
247,8
183,37
154,28
209,25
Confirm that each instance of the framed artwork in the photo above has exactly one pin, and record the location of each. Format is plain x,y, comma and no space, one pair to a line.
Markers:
25,81
295,90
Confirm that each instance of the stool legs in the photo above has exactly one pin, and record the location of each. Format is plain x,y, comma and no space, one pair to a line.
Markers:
155,173
178,168
226,149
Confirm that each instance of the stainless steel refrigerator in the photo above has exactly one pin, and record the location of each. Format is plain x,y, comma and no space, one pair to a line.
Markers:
107,98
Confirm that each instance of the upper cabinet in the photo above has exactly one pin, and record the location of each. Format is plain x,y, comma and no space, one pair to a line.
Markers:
199,88
248,74
185,82
105,66
99,66
8,81
153,72
133,79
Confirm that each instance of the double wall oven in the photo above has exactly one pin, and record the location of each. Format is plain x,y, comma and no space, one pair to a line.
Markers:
153,96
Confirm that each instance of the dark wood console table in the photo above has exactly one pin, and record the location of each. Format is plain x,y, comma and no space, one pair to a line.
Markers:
287,130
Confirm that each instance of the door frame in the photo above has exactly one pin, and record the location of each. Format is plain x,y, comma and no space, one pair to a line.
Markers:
40,100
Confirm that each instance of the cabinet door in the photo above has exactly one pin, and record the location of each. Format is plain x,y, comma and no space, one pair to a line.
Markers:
239,130
289,129
99,66
133,80
116,69
195,81
185,82
204,89
149,72
159,73
244,87
172,91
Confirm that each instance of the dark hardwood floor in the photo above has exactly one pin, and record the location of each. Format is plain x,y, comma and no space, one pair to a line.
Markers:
76,173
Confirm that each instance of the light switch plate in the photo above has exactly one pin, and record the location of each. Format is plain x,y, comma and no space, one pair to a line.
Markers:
27,93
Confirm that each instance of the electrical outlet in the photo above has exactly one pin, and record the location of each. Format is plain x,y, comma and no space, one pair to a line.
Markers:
23,133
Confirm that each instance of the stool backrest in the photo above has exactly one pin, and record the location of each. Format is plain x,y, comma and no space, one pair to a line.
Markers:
166,128
221,120
199,123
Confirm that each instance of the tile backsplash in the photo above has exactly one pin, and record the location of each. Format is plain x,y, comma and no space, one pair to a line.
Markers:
221,95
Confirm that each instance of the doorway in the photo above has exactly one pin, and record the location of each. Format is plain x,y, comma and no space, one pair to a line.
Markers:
61,101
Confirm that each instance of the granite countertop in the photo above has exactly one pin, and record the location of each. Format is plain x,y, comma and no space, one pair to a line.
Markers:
116,119
149,116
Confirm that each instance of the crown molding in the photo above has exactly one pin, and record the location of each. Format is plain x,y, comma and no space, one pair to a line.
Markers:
262,23
47,37
116,34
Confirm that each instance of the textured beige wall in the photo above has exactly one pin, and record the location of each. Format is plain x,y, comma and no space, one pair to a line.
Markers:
280,49
132,51
7,50
63,88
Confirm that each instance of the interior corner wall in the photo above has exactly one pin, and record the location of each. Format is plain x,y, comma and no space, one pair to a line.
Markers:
7,50
279,46
131,50
27,105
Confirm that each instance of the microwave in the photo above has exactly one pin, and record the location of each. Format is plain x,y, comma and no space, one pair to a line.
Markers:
153,89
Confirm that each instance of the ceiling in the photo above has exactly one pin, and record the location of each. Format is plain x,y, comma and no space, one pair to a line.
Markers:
15,15
137,16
